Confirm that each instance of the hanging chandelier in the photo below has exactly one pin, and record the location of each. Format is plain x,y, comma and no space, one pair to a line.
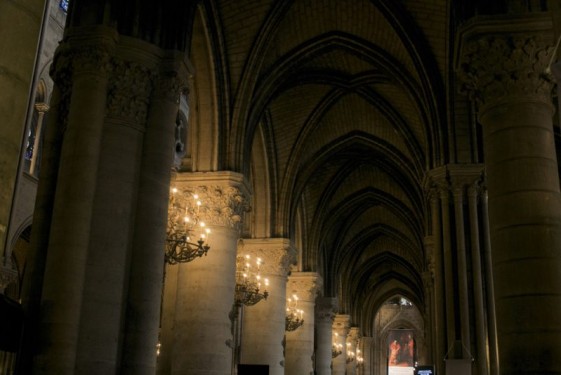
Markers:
359,359
350,353
183,224
336,348
249,282
294,315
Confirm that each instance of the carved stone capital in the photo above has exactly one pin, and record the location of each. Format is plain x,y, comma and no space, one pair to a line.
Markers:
175,78
84,54
500,67
130,86
224,197
342,324
354,335
306,285
325,309
42,107
277,254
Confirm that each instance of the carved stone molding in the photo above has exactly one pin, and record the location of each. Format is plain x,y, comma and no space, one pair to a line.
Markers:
276,253
221,205
501,68
342,324
42,107
354,335
130,86
170,86
306,285
224,196
325,309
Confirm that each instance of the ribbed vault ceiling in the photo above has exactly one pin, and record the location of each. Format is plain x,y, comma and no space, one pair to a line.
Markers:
347,89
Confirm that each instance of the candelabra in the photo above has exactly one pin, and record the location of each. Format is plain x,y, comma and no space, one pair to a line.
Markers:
350,353
359,359
294,315
248,282
183,222
336,347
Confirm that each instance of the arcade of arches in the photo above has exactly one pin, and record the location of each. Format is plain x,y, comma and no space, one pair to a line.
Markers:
393,163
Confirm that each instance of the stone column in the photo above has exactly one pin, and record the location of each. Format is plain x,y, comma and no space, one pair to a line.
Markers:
263,324
503,66
463,297
145,285
300,343
21,29
341,326
481,359
205,287
367,354
352,344
489,288
42,109
85,57
448,279
439,328
325,312
44,203
105,288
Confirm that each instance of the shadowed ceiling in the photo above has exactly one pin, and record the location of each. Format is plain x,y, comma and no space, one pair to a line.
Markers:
346,98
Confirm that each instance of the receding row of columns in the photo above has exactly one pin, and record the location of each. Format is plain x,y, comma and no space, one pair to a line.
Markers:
203,331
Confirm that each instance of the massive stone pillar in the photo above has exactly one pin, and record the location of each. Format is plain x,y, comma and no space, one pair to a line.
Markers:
198,330
300,343
86,57
325,312
88,201
263,324
503,65
145,291
341,326
21,39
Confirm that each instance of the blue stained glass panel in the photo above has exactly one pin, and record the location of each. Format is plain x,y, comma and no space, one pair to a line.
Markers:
64,5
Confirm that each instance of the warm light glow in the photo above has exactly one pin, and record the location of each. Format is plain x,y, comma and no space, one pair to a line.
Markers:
249,281
183,217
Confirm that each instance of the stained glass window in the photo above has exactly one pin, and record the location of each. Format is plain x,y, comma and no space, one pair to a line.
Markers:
64,5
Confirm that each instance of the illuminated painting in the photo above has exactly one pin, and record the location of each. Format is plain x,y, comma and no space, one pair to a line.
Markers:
401,352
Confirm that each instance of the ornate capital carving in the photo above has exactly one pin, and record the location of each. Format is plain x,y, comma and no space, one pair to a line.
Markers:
306,285
223,195
277,254
73,59
501,67
169,87
221,205
354,335
130,85
342,324
325,309
42,107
